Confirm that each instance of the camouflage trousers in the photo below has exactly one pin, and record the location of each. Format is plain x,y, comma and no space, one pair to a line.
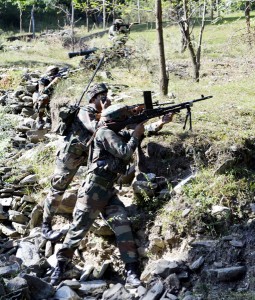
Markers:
97,196
41,104
71,156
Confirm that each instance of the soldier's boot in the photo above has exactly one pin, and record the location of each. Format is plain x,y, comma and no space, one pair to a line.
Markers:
50,234
58,273
40,121
48,123
132,279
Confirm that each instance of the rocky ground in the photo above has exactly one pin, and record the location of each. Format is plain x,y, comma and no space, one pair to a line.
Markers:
172,266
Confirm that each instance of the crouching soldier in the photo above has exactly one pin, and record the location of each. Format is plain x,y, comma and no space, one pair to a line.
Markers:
41,98
112,152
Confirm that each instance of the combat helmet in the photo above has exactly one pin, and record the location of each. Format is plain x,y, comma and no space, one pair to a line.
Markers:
95,90
52,70
115,113
118,22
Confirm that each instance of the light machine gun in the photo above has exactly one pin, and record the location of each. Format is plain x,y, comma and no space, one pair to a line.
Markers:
149,112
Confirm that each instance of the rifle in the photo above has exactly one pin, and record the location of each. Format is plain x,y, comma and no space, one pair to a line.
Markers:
86,53
149,112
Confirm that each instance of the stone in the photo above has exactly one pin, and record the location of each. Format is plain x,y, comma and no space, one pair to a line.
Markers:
17,217
154,292
28,252
30,179
117,292
39,289
93,287
99,272
8,231
10,269
197,263
164,268
35,136
20,228
65,292
16,284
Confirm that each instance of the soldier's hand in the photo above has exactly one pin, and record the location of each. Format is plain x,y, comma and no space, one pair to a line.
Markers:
167,118
105,104
137,109
139,130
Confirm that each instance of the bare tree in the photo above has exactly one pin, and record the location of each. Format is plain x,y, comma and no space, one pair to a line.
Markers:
195,53
162,61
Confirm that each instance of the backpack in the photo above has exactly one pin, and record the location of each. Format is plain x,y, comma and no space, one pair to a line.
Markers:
66,118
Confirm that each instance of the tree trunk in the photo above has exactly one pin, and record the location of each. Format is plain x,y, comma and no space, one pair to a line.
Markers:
248,20
20,20
162,62
72,25
33,20
104,15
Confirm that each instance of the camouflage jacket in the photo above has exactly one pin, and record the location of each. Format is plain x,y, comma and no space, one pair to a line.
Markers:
83,126
113,151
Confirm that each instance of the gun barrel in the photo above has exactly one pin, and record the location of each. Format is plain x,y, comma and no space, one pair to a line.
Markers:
82,52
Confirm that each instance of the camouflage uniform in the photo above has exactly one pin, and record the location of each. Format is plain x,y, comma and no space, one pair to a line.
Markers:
70,157
41,98
97,195
118,33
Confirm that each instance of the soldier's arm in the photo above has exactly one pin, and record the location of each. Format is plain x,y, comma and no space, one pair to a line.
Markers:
157,126
89,118
115,145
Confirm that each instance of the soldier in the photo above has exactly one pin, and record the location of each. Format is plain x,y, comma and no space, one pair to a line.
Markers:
41,98
73,154
118,32
112,152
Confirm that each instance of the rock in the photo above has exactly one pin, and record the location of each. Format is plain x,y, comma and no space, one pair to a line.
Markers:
35,136
164,268
20,228
28,252
93,287
30,179
144,188
197,263
17,217
36,216
231,273
66,293
16,284
154,292
8,231
226,274
117,292
86,272
39,289
9,270
99,272
217,209
5,202
73,284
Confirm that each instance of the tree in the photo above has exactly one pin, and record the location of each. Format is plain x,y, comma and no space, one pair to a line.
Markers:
195,53
162,62
21,4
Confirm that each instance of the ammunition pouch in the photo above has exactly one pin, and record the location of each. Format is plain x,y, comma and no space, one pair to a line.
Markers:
76,147
101,181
